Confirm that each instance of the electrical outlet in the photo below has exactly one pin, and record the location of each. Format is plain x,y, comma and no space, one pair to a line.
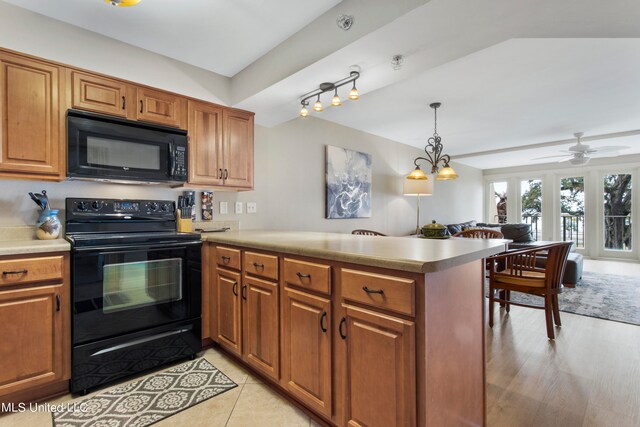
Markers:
224,208
252,207
238,207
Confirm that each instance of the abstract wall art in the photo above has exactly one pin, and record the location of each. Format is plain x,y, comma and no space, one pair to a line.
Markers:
348,183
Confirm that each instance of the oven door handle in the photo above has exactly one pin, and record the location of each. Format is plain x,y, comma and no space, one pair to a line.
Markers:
111,248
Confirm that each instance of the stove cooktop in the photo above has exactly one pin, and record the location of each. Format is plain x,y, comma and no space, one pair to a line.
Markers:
79,240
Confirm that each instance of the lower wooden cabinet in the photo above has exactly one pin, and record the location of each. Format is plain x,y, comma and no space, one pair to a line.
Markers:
260,325
35,349
380,369
228,317
31,352
306,356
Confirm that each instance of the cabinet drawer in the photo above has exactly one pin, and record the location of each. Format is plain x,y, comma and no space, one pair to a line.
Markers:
29,270
261,265
228,257
387,292
307,275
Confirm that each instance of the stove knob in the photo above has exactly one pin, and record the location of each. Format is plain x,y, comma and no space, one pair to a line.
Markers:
153,206
96,204
165,207
82,206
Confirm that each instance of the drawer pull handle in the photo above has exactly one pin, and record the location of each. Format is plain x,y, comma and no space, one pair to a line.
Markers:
373,291
220,174
234,288
244,294
303,276
141,106
324,316
342,334
124,102
258,265
226,174
225,259
23,271
57,302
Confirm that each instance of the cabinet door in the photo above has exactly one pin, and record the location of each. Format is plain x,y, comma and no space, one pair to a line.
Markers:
205,144
30,117
306,359
381,374
31,352
229,310
260,325
159,107
238,148
98,94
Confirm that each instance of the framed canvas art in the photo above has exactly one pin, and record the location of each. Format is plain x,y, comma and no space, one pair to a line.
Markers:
348,175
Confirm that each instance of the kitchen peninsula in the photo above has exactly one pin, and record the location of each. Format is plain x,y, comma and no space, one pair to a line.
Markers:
359,330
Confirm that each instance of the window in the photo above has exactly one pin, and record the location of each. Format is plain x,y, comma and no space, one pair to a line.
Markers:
617,212
498,202
531,191
572,210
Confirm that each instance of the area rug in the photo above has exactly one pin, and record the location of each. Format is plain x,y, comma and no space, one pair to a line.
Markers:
148,400
605,296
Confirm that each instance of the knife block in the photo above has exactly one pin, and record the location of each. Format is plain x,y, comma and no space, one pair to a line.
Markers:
185,225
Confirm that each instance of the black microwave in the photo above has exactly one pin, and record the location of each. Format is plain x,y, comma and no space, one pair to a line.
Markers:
113,149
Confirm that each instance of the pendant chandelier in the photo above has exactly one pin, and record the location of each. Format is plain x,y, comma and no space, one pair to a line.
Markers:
434,155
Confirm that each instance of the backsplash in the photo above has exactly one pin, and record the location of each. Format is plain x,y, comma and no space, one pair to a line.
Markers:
16,208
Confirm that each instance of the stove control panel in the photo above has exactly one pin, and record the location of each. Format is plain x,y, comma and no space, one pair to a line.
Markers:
118,208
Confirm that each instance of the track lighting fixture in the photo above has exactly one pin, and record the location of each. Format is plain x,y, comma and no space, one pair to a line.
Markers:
326,87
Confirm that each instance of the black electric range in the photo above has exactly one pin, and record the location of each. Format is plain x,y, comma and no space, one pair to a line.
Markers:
136,289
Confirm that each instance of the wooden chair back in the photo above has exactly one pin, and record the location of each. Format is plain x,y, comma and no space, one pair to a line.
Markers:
362,232
479,233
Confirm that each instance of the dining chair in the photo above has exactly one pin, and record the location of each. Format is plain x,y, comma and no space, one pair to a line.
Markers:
479,233
361,232
520,274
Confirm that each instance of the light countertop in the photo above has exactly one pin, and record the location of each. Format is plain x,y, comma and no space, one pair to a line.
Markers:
397,253
21,240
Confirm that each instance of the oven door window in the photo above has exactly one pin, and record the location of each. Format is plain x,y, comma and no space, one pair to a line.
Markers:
138,284
108,152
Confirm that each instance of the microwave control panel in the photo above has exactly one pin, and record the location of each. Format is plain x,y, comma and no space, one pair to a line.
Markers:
180,156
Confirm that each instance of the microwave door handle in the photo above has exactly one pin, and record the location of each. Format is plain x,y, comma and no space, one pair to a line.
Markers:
172,159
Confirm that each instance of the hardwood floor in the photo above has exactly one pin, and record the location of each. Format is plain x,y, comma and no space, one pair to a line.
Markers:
588,376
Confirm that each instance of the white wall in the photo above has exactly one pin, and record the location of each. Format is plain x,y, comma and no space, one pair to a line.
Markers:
290,182
28,32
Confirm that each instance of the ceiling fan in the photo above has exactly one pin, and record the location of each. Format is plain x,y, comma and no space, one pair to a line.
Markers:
580,154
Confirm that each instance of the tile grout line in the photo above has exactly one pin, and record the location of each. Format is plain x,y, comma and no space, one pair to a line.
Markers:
235,403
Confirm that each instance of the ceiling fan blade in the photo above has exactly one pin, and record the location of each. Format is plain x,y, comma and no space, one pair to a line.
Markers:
610,148
604,154
552,157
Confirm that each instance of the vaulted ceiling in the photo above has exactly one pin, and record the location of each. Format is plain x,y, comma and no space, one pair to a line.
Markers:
509,74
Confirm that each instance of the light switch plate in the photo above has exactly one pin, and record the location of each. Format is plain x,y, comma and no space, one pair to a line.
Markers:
252,207
238,207
224,208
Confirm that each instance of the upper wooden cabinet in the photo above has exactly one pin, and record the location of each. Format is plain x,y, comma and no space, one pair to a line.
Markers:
237,148
160,107
205,144
31,125
220,146
99,94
